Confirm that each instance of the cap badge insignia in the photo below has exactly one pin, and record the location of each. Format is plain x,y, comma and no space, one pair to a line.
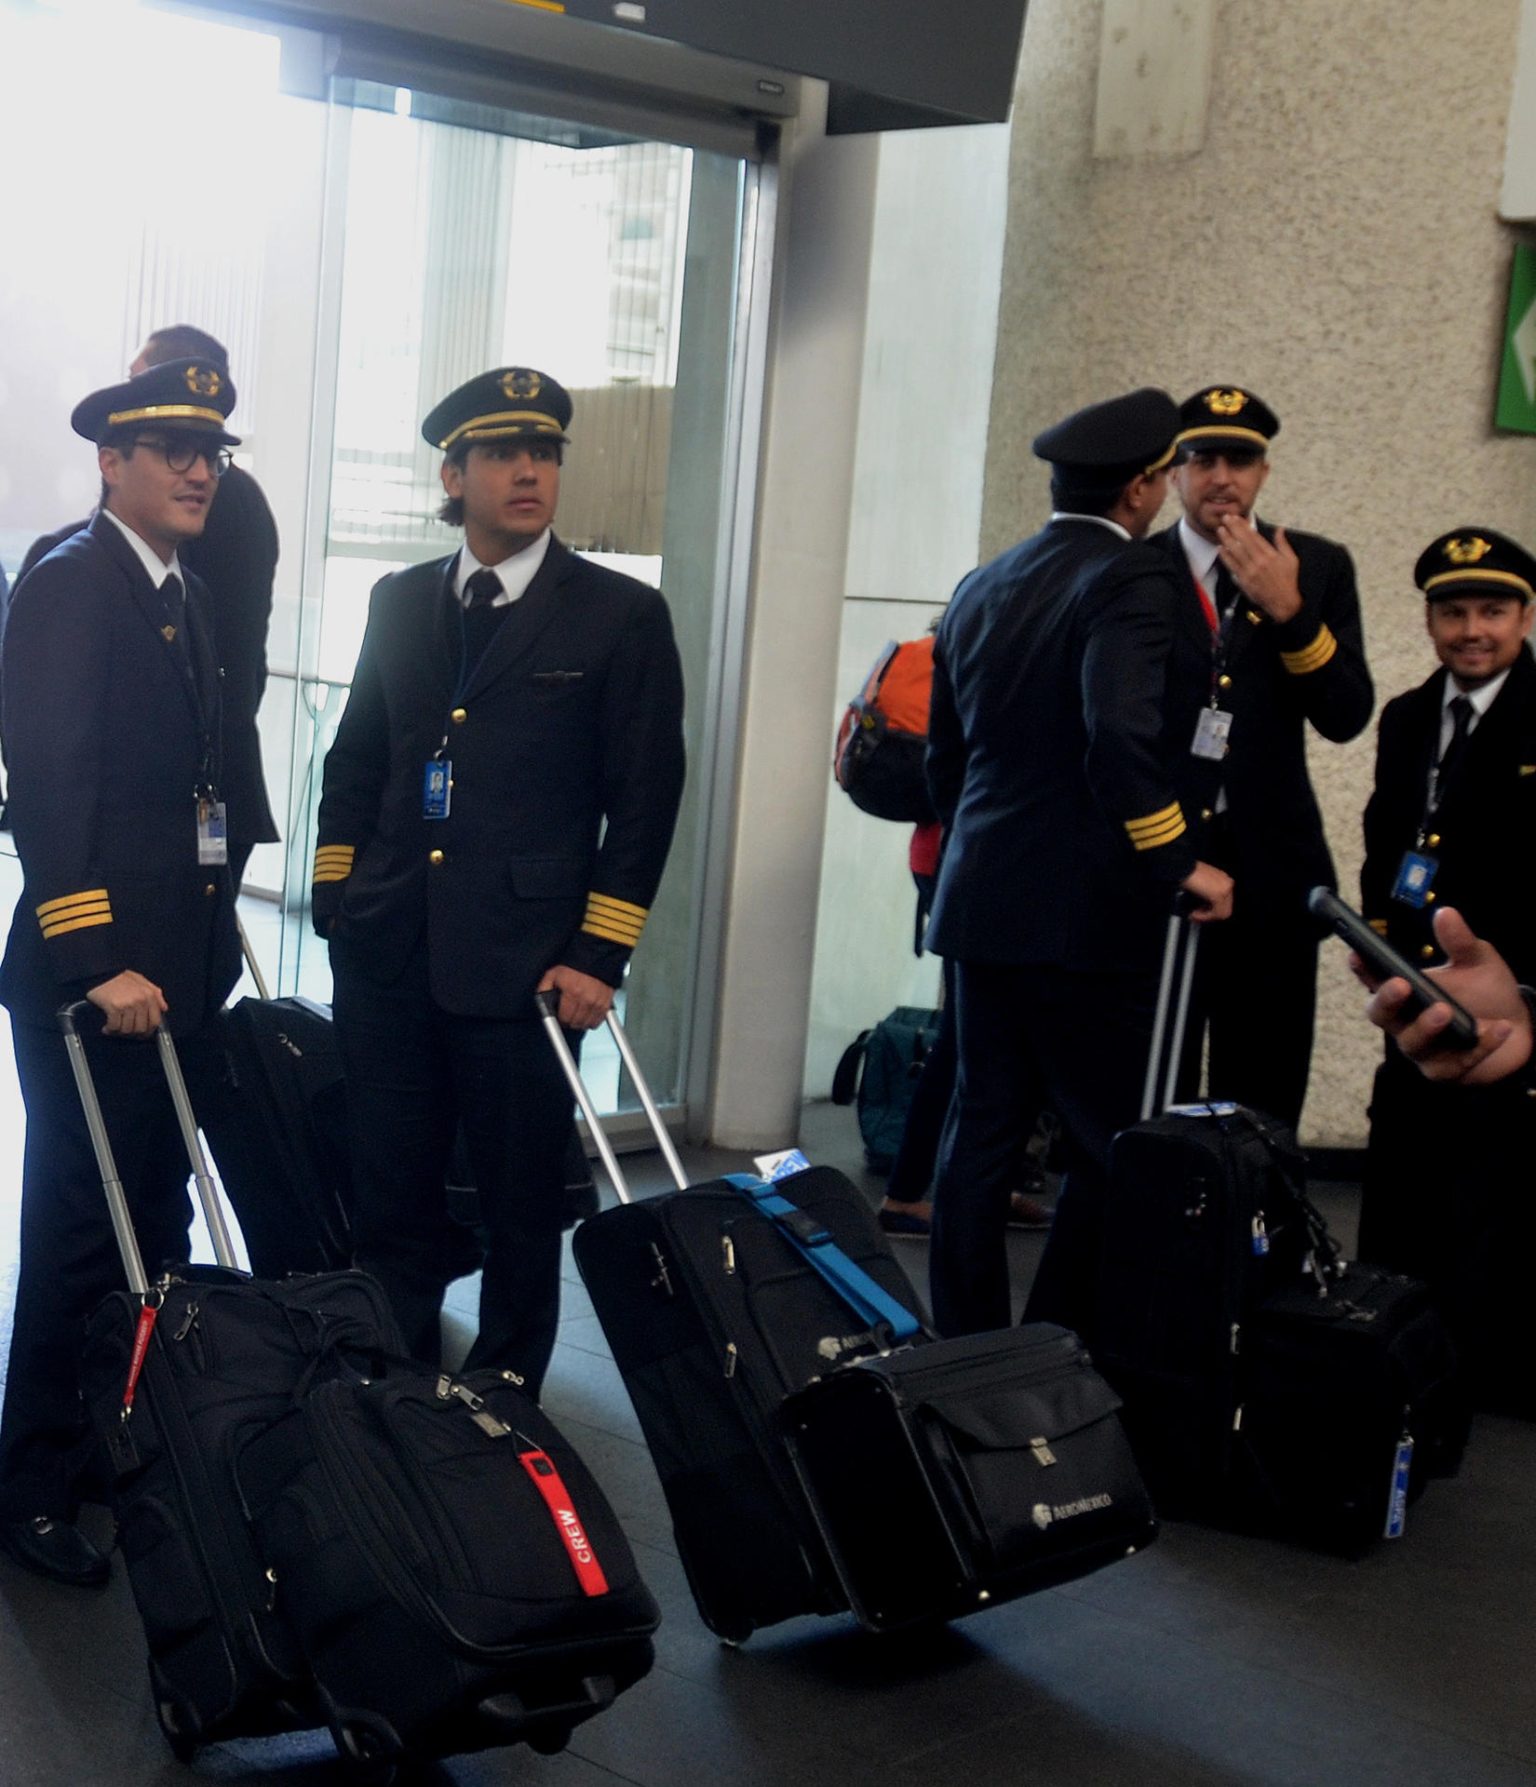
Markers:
519,383
1224,403
1466,551
168,634
203,381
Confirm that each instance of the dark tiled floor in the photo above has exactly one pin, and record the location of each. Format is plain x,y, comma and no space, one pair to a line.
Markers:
1207,1660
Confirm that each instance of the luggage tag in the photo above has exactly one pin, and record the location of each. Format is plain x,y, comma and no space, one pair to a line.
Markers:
437,788
1397,1502
1415,877
212,835
1212,730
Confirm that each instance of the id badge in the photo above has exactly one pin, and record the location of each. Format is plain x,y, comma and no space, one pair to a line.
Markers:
212,837
437,788
1415,877
1211,733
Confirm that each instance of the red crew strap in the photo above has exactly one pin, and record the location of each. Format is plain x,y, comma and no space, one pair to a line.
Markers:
143,1328
1211,619
578,1547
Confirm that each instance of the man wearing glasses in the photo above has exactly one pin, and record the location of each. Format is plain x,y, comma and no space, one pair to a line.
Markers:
109,705
236,557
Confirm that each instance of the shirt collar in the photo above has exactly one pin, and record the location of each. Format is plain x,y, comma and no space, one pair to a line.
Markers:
1098,520
1482,697
516,572
156,567
1200,552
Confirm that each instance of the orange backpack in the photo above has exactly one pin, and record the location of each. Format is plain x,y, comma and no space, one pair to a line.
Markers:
883,737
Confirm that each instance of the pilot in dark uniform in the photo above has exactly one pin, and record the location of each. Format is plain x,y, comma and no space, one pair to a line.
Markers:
235,558
1270,619
111,729
496,814
1452,822
1055,756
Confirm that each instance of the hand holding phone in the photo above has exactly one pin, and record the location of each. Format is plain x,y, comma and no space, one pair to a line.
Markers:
1385,963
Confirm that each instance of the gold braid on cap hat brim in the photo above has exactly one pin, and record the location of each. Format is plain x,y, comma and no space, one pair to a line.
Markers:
1215,431
1506,578
182,412
1162,460
488,427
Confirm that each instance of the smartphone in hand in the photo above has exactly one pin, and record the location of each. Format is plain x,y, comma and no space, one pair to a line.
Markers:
1384,963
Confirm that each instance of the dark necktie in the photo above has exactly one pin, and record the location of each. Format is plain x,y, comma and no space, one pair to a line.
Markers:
1451,756
173,595
1226,590
481,616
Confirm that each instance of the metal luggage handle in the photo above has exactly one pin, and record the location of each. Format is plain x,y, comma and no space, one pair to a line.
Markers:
260,979
549,1013
112,1185
1177,924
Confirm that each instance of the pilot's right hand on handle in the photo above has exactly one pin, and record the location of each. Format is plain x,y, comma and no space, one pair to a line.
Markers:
1211,890
1477,977
133,1005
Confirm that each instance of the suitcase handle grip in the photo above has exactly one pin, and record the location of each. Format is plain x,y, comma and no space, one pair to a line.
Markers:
549,1012
101,1143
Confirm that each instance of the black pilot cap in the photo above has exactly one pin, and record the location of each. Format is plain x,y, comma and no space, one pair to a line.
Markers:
194,396
1127,435
1226,416
1475,561
509,403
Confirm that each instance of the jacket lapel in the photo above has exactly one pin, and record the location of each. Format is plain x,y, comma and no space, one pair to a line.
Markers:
526,620
151,607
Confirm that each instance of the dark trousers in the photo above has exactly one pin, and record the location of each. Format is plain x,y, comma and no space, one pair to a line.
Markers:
1446,1197
69,1256
414,1073
1028,1038
1256,991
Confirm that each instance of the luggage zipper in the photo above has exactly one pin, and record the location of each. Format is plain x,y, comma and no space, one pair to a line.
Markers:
917,1386
489,1424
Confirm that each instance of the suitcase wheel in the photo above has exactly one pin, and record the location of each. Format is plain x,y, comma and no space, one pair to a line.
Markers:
369,1752
179,1724
548,1740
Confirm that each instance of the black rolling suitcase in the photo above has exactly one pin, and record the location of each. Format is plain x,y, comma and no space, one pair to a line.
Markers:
792,1397
454,1576
176,1374
958,1475
1225,1312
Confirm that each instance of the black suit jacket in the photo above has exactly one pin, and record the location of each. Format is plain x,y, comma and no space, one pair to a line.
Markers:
106,722
1051,754
567,751
1484,823
1310,670
236,558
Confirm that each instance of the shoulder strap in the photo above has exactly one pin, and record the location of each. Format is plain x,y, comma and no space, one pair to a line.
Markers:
873,1306
845,1081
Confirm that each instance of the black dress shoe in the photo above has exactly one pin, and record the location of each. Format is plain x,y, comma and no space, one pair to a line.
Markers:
54,1548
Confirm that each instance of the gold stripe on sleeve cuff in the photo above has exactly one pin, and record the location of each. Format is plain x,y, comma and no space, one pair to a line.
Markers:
75,912
1157,828
333,862
1379,926
1313,656
616,921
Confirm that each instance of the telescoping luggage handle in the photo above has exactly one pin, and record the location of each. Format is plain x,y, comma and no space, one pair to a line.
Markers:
117,1203
1167,1043
852,1283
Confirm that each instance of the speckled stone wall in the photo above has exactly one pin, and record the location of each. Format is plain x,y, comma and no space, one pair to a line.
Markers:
1333,245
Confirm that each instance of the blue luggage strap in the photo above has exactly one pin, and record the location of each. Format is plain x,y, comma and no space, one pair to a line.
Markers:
813,1241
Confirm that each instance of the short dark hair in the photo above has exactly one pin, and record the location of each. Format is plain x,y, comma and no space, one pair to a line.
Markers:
1087,498
123,440
181,341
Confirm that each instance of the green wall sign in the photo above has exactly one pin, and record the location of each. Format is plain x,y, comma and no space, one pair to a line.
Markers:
1517,373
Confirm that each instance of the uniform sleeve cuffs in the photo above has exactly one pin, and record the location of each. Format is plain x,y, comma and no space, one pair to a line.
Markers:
1153,830
1312,656
333,862
614,920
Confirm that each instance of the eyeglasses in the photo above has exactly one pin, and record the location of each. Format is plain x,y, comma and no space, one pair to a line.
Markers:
183,453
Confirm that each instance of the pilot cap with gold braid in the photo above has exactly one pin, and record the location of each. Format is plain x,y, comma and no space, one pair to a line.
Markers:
193,396
1226,416
510,402
1475,561
1114,441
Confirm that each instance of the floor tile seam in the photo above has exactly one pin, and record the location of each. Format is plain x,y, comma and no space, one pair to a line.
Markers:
1270,1669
